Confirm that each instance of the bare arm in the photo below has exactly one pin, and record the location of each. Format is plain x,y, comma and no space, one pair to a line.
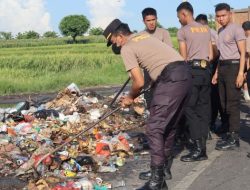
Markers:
211,53
248,60
183,49
242,49
137,82
215,51
137,85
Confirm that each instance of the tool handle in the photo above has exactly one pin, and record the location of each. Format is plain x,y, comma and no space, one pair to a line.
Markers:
119,92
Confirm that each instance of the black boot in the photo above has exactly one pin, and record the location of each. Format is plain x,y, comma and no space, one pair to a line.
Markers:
198,153
248,154
167,167
230,143
166,171
223,139
156,181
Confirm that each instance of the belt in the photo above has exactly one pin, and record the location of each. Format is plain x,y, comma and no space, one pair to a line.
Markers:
229,62
173,65
168,67
203,64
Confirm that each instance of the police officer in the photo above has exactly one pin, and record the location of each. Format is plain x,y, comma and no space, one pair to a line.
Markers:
215,98
246,27
196,48
230,73
172,81
149,16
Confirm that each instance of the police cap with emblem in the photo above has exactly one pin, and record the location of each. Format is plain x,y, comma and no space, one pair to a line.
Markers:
110,29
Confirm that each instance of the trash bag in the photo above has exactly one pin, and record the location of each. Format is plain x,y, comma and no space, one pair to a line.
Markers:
17,117
43,114
15,113
22,106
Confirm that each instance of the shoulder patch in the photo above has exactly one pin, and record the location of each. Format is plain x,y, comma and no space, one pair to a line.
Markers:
140,37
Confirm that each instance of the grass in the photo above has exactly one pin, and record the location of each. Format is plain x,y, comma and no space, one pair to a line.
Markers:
49,41
36,69
51,65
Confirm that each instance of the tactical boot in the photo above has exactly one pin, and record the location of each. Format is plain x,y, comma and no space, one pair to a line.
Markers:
198,153
231,143
166,171
223,139
156,181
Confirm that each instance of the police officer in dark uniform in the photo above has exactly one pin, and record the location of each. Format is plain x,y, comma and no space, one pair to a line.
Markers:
172,81
230,73
196,48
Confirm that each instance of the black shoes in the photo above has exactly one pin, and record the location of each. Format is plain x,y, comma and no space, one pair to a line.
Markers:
248,155
231,142
156,181
198,153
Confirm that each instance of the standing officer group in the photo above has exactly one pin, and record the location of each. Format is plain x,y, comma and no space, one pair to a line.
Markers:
181,82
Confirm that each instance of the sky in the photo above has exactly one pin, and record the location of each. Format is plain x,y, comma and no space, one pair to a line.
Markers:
45,15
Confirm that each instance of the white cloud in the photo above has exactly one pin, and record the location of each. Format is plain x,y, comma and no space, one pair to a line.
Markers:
24,15
104,11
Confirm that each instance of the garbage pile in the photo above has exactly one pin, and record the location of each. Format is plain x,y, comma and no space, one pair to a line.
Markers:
29,130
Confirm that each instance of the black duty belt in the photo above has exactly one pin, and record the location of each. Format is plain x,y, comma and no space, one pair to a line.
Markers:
203,64
174,64
229,62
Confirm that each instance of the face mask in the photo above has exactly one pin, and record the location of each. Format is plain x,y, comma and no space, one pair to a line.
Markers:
116,49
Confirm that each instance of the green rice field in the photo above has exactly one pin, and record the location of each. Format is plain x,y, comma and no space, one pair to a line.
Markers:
47,66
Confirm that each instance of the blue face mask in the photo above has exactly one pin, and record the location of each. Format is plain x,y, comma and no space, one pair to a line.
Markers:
116,49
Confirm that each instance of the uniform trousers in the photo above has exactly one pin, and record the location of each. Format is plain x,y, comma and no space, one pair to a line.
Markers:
215,98
170,94
198,110
248,80
229,94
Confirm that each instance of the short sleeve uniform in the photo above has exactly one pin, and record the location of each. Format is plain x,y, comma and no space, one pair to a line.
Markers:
143,50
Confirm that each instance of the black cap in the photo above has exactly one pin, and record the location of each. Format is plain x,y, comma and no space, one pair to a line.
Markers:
110,30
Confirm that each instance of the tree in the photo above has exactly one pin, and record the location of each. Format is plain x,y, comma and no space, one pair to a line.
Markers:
158,24
74,25
32,35
6,35
28,35
20,36
173,31
50,34
211,21
96,31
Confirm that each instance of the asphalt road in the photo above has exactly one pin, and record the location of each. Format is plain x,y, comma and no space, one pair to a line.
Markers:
224,170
